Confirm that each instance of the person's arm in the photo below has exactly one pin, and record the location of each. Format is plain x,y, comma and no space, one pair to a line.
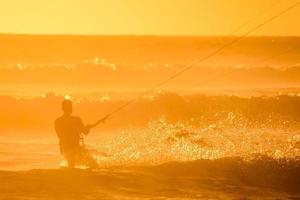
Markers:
86,129
57,129
83,129
59,135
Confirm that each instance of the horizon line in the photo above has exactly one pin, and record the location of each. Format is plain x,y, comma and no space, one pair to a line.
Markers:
138,35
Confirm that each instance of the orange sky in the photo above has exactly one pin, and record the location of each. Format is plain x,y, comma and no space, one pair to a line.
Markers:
144,17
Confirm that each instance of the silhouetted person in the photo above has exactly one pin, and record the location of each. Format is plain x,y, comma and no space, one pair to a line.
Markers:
69,129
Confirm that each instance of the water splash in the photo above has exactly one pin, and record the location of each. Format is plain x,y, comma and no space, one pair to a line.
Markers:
163,141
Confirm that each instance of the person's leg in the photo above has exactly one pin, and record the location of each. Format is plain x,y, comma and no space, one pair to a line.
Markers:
87,159
92,162
70,157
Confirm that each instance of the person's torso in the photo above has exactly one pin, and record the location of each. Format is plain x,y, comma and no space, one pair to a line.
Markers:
68,129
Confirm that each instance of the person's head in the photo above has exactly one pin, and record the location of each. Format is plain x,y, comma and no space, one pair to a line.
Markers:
67,107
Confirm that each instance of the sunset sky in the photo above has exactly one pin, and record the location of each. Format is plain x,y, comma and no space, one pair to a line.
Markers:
145,17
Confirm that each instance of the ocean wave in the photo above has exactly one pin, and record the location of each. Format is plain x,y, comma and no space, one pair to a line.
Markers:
259,171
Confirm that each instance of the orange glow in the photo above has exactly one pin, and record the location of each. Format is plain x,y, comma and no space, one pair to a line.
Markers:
146,17
149,99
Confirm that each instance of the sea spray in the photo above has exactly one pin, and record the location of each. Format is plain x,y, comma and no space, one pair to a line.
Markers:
163,141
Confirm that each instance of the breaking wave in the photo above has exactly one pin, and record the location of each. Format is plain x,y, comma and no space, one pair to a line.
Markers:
163,142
